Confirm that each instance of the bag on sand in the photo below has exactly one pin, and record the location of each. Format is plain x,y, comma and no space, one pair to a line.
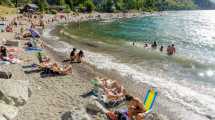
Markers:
5,75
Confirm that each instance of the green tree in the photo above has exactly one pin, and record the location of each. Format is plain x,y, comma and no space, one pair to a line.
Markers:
61,2
43,5
109,6
89,5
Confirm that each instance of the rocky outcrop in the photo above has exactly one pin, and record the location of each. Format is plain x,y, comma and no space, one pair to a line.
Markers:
7,112
14,92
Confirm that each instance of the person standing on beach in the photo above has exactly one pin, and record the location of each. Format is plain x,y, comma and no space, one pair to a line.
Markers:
79,56
73,54
3,51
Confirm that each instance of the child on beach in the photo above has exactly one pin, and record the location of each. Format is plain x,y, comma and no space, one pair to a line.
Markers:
79,56
73,54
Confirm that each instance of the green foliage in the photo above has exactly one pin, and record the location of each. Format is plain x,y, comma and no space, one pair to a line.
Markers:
53,11
109,6
81,8
43,5
60,2
67,9
119,5
89,5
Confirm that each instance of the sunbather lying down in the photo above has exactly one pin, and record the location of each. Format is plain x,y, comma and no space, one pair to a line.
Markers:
135,110
55,68
112,89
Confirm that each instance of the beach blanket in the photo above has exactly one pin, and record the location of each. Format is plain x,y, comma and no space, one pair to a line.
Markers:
33,49
150,98
11,59
34,33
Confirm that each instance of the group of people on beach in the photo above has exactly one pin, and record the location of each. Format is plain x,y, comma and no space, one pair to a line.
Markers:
114,91
76,57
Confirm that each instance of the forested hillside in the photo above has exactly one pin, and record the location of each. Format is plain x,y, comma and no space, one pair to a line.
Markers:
117,5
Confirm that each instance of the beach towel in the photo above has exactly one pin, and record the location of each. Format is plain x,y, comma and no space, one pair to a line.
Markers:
150,98
14,49
33,49
2,62
34,33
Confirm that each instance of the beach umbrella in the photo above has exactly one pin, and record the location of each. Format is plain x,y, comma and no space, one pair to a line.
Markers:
34,33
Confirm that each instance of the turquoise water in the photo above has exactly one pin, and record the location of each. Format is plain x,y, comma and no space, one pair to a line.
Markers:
186,79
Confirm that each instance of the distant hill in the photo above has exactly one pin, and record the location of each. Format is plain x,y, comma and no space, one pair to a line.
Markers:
205,4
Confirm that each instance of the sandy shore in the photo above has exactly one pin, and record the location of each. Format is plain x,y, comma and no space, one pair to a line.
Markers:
55,98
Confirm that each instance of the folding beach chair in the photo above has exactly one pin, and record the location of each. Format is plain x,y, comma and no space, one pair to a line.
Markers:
150,98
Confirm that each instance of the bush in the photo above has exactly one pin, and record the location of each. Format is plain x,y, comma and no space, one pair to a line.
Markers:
89,6
67,9
81,8
53,11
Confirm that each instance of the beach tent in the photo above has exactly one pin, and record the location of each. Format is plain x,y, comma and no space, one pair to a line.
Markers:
34,33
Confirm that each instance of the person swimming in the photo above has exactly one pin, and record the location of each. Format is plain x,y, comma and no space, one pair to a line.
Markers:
161,49
154,45
171,50
168,50
146,45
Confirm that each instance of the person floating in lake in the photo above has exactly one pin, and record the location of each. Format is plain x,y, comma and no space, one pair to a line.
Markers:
146,45
161,48
154,45
73,54
79,56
